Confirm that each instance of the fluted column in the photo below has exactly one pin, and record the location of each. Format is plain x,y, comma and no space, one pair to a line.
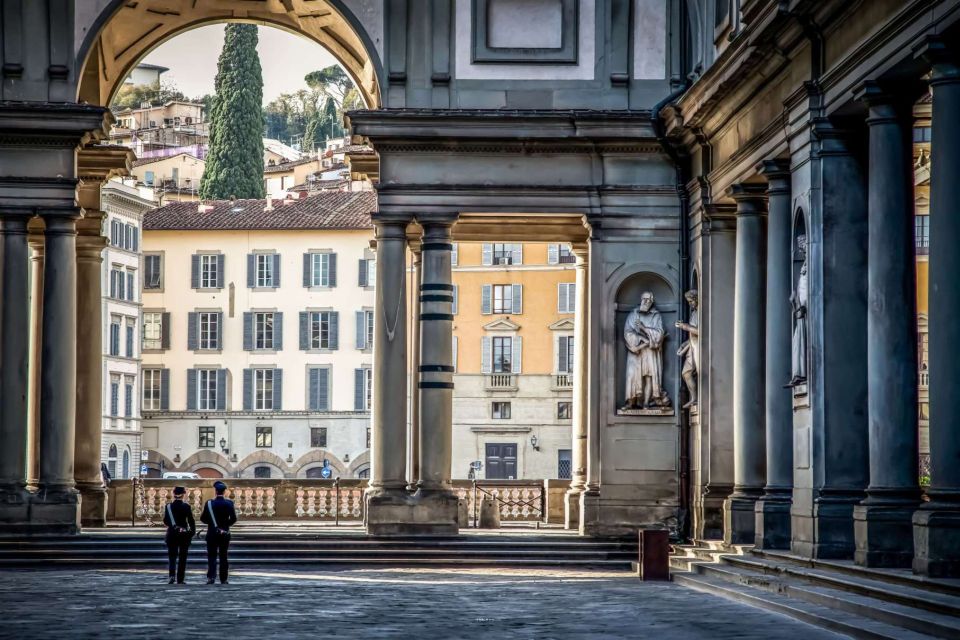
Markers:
57,504
90,244
581,342
936,533
773,508
749,464
14,327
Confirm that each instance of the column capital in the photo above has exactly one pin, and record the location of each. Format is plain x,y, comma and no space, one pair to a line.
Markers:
438,220
943,59
886,104
15,220
751,198
390,227
777,173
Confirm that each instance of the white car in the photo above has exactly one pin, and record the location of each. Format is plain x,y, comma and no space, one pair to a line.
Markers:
180,475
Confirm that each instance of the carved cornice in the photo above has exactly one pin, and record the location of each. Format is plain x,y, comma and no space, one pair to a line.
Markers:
96,163
51,125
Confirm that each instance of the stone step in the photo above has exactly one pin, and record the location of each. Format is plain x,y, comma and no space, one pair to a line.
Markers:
847,623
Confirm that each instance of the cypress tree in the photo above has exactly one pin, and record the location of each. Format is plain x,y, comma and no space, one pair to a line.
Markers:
235,158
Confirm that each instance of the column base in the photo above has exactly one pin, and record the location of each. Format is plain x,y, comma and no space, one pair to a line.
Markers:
425,513
827,533
772,521
936,541
708,512
571,509
883,534
590,524
15,511
93,504
739,518
54,513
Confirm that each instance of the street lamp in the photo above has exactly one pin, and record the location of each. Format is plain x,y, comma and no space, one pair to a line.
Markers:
223,445
534,441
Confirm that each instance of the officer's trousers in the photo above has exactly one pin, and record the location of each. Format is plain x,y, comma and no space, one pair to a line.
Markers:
177,548
217,549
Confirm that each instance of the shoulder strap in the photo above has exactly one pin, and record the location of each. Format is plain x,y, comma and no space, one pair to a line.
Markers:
173,521
212,517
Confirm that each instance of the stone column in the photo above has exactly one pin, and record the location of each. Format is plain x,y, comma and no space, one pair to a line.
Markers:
14,329
414,441
773,508
581,344
749,462
56,504
35,241
936,533
90,244
883,529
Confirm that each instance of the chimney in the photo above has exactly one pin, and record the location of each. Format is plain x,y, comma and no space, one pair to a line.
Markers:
269,206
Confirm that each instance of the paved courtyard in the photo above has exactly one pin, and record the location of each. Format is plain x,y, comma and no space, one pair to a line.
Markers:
411,603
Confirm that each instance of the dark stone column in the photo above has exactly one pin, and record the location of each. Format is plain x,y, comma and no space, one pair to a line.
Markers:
936,533
773,508
749,448
882,522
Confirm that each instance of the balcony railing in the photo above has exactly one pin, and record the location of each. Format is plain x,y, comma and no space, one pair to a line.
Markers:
502,381
563,381
924,379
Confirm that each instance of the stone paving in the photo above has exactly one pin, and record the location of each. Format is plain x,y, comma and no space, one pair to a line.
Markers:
400,603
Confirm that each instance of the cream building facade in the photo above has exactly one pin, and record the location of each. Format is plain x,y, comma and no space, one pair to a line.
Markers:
258,337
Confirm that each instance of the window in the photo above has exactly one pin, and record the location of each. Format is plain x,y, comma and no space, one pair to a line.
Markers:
208,272
207,436
112,460
115,336
368,327
505,254
117,283
368,438
368,387
500,411
209,330
264,266
115,396
566,297
131,327
502,354
318,437
502,298
501,462
130,287
263,330
564,464
368,272
152,389
564,410
128,398
318,388
263,389
322,330
265,437
148,179
261,472
153,271
152,330
207,389
566,255
922,134
922,234
565,354
322,269
125,469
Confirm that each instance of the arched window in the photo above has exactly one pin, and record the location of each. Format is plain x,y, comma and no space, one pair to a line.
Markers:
112,461
363,472
261,472
125,469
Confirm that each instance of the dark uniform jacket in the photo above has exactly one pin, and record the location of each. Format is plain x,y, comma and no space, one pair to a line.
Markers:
182,517
223,510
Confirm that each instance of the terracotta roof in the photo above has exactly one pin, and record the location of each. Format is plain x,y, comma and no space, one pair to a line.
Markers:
287,166
142,161
327,210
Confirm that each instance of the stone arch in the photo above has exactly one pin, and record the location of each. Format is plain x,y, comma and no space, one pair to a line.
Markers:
362,460
207,458
157,462
263,457
123,33
315,458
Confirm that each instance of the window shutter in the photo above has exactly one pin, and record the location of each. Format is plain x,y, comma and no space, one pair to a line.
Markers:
194,272
192,331
313,389
323,389
517,299
455,254
334,330
130,342
486,355
165,330
220,330
454,354
553,254
278,389
148,270
456,298
276,270
247,389
486,299
487,254
517,354
191,389
136,239
306,269
358,396
333,270
278,331
113,283
363,273
164,389
221,389
562,355
251,270
361,330
304,333
518,253
128,401
247,331
221,261
131,294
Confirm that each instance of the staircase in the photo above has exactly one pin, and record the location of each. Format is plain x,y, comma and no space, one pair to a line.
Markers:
325,547
837,595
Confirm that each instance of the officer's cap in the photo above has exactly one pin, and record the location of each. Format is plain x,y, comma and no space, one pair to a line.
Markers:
179,491
219,487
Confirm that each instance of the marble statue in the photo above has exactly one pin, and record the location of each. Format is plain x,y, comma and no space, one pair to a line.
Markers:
690,349
798,299
644,335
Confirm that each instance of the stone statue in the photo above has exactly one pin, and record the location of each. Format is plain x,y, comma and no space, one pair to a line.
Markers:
690,349
644,336
798,299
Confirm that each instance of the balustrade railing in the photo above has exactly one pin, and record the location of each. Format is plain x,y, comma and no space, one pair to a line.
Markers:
518,500
563,381
501,381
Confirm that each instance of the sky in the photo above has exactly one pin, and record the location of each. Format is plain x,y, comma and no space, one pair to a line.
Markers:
284,57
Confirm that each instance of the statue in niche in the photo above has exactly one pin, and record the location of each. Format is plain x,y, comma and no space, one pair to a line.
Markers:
644,335
690,349
798,299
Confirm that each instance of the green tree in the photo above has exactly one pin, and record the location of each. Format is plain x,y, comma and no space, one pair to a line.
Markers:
331,81
235,158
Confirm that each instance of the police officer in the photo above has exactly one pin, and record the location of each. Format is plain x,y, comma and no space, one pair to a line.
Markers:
180,529
219,515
